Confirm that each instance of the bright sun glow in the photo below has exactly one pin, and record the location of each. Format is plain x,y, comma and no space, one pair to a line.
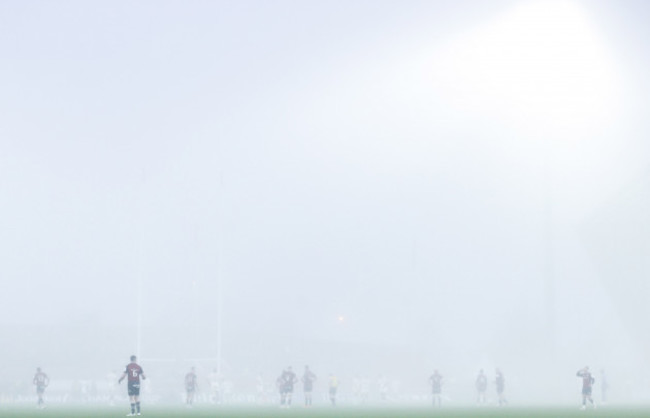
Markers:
542,63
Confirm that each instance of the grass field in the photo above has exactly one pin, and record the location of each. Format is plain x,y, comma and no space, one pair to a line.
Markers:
322,412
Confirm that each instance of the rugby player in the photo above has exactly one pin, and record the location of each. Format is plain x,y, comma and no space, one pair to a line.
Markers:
333,387
481,387
587,384
191,385
308,379
500,384
286,381
436,386
41,380
133,372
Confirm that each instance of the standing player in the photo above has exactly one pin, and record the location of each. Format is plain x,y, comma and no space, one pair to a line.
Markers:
481,387
286,381
308,379
436,386
133,372
333,387
587,384
500,383
191,385
41,380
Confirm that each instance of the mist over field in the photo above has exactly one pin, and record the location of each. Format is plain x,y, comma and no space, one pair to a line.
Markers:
371,188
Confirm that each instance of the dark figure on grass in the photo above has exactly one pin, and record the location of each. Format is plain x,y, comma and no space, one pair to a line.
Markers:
41,381
191,386
286,381
436,387
481,387
587,384
500,384
133,372
308,379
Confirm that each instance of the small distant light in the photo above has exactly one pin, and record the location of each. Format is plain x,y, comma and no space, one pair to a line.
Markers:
341,318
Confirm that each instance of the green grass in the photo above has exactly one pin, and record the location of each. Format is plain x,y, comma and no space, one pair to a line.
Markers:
59,411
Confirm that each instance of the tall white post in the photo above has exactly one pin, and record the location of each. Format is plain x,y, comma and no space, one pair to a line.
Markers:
219,272
138,343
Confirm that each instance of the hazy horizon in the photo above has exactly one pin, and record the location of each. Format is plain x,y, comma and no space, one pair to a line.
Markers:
367,187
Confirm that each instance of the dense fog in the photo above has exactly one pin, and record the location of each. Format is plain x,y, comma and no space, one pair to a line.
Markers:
375,189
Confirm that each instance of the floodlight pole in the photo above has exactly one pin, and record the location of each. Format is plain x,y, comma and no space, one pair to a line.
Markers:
138,342
140,270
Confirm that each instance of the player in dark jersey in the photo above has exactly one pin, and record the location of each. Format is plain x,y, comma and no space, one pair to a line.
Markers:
41,380
500,384
436,386
308,379
191,386
587,384
133,372
481,387
286,381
